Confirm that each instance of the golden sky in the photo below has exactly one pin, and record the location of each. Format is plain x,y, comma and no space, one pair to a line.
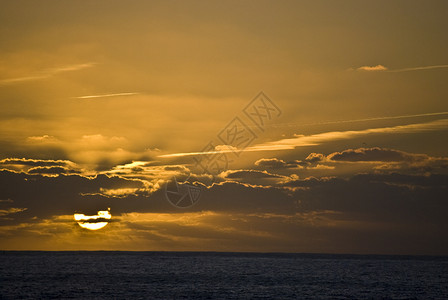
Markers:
329,120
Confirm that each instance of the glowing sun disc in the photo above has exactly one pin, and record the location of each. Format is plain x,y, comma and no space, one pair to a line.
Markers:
92,226
88,222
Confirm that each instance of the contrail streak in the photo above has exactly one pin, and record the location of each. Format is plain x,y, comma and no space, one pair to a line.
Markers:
106,95
363,120
47,73
418,68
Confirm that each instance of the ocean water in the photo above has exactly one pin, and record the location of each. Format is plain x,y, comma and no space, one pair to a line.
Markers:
208,275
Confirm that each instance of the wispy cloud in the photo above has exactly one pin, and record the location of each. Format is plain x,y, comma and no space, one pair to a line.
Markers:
195,153
106,95
46,73
71,68
43,138
12,210
385,69
317,139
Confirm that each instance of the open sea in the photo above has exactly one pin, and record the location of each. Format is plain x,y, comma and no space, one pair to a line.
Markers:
211,275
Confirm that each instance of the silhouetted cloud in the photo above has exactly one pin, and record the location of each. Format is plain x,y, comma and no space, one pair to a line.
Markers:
389,159
377,197
274,163
237,197
311,161
252,174
375,154
45,196
35,162
51,170
382,206
377,158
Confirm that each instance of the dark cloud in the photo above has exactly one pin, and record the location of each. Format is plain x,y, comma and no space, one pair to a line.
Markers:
248,174
253,177
273,163
35,162
431,180
386,207
176,168
375,154
375,195
386,160
378,197
17,150
381,159
237,197
312,182
52,170
45,196
314,158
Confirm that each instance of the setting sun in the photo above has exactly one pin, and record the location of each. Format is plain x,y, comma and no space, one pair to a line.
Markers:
94,222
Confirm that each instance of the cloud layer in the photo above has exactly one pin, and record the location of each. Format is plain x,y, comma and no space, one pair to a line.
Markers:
241,210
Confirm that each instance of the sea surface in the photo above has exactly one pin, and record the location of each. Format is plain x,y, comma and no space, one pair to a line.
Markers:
210,275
